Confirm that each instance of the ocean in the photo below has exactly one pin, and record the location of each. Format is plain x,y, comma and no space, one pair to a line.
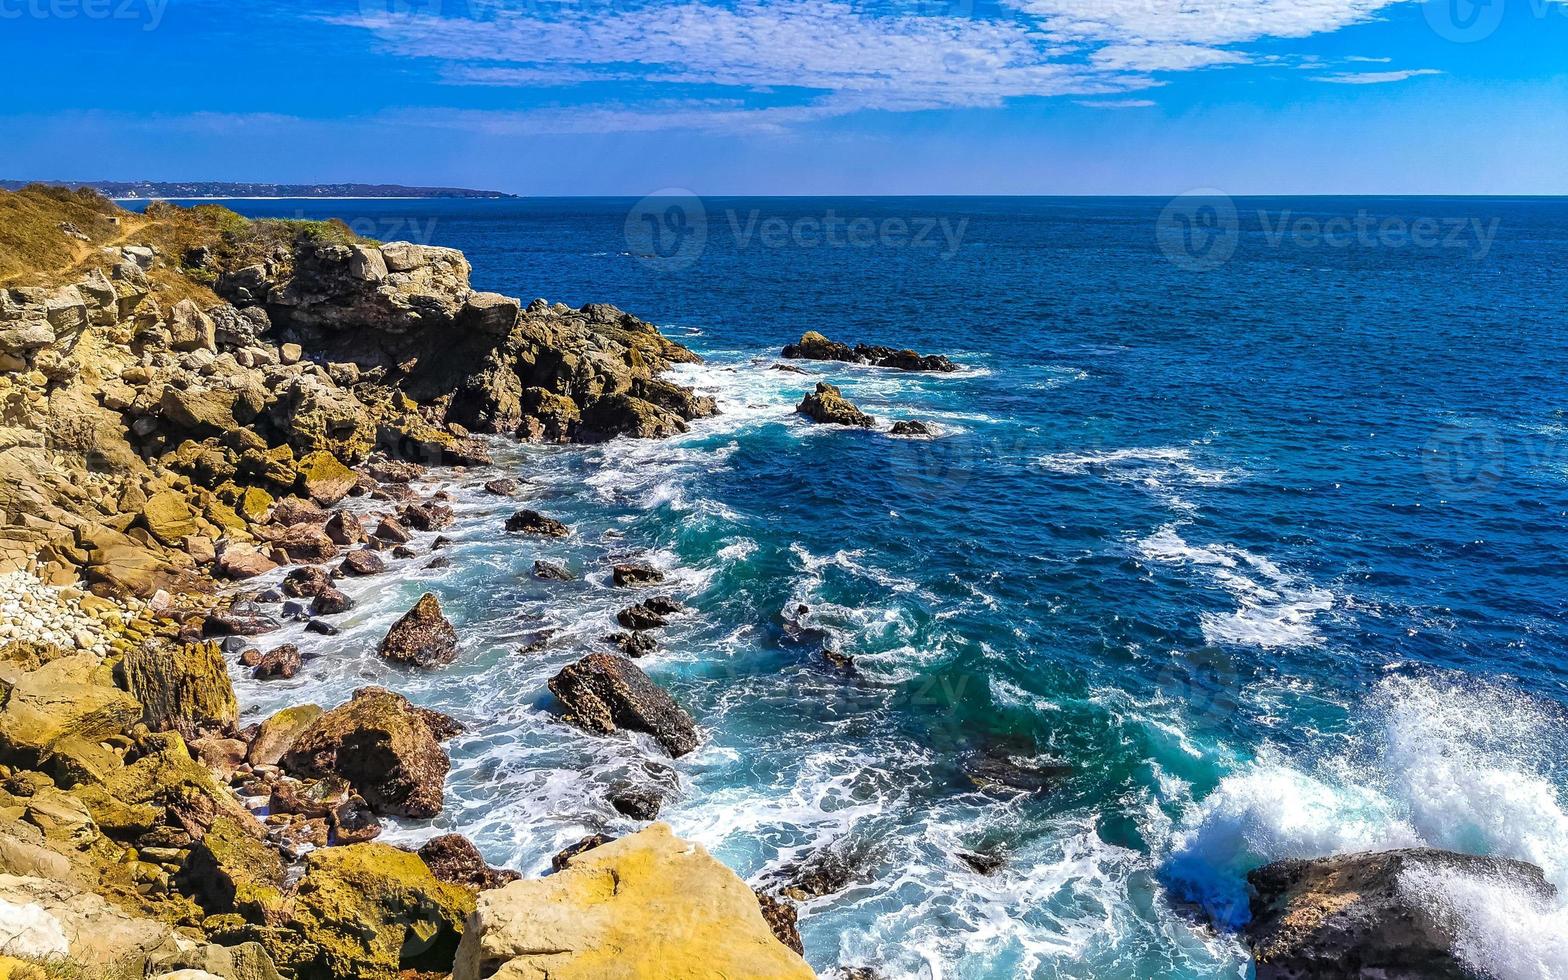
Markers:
1241,536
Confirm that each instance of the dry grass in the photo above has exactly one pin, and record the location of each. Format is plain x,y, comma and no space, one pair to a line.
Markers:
31,240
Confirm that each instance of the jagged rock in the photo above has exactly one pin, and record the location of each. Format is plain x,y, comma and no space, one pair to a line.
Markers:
583,846
985,864
490,314
634,643
427,517
279,733
391,530
330,602
239,621
423,637
783,920
372,911
815,347
55,717
306,582
362,562
840,662
190,329
501,488
1369,915
280,663
183,688
649,614
302,542
296,512
454,859
552,571
603,693
829,406
636,574
344,529
651,892
637,802
384,470
533,522
353,822
168,517
910,429
383,746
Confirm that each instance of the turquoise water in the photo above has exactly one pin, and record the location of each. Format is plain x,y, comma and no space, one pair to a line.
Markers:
1251,558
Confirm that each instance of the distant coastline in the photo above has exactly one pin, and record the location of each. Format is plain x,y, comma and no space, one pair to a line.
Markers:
220,190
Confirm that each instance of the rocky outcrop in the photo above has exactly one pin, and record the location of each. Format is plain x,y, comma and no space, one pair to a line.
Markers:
1369,915
535,523
454,859
636,575
423,637
829,406
604,693
908,428
385,747
815,347
649,905
183,688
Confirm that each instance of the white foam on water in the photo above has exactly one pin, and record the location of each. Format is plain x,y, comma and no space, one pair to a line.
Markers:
1461,766
1155,467
1503,931
1275,609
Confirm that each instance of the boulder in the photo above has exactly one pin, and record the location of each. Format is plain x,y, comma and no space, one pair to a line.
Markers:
648,906
323,479
504,487
533,522
390,530
362,562
602,693
190,329
372,911
279,733
294,511
383,746
230,870
168,517
344,529
306,582
330,602
280,663
57,716
90,937
454,859
489,314
906,428
183,688
1370,915
423,637
828,405
815,347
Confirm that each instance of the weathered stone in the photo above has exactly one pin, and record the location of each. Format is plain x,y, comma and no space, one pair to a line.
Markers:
229,870
489,314
815,347
59,714
330,602
645,907
168,517
603,693
183,688
423,637
383,746
636,574
306,582
362,562
190,329
390,530
344,529
279,663
295,511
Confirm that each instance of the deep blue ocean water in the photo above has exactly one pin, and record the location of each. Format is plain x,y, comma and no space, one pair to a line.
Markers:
1254,541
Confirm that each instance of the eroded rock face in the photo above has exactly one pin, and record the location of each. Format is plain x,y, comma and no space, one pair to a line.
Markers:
683,913
182,688
829,406
1369,916
603,693
423,637
384,746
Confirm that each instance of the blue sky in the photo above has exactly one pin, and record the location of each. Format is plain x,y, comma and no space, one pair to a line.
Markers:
796,96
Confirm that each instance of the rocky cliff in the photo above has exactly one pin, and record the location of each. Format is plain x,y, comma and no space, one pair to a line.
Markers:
165,378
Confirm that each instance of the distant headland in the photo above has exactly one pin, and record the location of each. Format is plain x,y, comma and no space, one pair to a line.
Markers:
226,189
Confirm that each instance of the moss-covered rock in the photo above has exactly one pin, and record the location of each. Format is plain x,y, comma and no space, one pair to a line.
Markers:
168,516
372,910
383,746
58,716
230,870
279,733
183,688
324,479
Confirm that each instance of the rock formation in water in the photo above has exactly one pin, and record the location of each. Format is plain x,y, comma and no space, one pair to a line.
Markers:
815,347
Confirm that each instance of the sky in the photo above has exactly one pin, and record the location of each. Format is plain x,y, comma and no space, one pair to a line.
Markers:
633,97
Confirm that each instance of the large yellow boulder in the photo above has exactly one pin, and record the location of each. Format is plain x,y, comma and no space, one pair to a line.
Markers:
646,907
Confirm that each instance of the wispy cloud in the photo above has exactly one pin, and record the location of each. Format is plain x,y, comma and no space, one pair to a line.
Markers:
1116,103
1374,77
769,64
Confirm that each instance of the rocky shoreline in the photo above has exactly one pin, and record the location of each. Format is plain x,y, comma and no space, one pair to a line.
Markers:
188,400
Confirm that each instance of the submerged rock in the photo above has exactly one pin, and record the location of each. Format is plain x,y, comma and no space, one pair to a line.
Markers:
636,574
828,405
386,749
603,693
552,571
910,429
634,643
651,896
504,487
423,637
1368,916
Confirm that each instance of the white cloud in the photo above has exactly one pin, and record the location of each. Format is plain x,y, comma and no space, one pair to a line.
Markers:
1116,103
731,63
1374,77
